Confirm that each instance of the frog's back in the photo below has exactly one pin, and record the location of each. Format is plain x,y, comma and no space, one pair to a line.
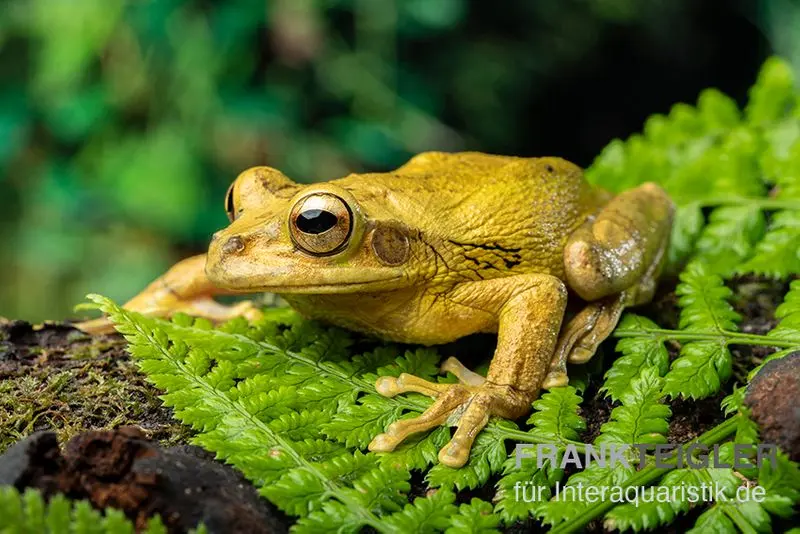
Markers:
509,213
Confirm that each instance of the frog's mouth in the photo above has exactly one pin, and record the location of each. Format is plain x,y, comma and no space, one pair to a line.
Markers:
299,277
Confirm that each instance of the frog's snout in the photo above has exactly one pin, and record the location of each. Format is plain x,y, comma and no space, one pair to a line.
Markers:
233,245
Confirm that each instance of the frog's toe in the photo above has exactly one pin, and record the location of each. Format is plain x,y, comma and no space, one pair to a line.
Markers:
389,386
555,379
456,452
434,416
95,327
464,375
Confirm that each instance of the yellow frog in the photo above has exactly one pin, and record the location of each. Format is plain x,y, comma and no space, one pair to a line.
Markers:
445,246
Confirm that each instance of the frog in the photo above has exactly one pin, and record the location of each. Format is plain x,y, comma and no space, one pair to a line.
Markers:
445,246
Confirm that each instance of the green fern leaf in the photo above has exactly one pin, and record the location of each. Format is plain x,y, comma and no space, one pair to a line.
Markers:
430,514
641,418
569,504
522,490
355,425
729,238
773,95
686,227
28,513
789,315
674,495
474,518
704,301
333,517
703,365
781,484
382,490
417,452
746,428
700,371
713,520
555,421
777,255
638,353
555,418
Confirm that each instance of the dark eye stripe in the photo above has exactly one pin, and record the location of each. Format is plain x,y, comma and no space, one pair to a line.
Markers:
316,221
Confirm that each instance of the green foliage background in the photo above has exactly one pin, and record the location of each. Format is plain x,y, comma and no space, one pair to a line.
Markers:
122,122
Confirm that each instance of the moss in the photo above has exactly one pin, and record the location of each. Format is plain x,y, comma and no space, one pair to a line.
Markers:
56,378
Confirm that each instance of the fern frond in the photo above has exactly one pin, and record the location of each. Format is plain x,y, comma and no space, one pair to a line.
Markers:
777,255
782,490
521,491
425,515
555,421
682,488
568,505
555,418
474,518
638,353
730,237
27,512
789,315
773,95
704,301
641,418
300,475
703,365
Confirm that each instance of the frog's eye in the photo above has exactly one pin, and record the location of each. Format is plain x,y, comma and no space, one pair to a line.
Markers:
230,208
321,224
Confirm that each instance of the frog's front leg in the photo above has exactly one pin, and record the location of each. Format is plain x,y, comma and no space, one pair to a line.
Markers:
527,311
183,288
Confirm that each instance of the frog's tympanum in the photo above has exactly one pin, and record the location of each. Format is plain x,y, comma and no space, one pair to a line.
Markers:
445,246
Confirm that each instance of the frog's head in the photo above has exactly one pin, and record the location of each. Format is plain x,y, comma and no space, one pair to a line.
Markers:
289,238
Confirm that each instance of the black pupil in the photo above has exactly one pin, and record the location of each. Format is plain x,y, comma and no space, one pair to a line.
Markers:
316,221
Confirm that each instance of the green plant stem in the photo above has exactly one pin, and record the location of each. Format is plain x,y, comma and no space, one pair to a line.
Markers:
738,518
757,202
731,511
723,336
645,477
527,437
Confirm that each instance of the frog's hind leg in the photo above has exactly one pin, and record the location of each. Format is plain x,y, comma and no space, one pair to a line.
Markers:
582,335
612,261
183,288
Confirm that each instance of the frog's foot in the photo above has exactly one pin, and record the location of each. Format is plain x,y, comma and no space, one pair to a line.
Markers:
468,404
205,307
184,288
582,335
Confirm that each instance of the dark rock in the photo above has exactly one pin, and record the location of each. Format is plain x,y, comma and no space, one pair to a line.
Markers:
772,397
124,470
32,458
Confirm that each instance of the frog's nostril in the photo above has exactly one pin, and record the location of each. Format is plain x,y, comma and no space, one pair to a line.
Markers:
233,245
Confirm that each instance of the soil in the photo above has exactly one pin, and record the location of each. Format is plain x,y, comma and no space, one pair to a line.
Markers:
51,375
